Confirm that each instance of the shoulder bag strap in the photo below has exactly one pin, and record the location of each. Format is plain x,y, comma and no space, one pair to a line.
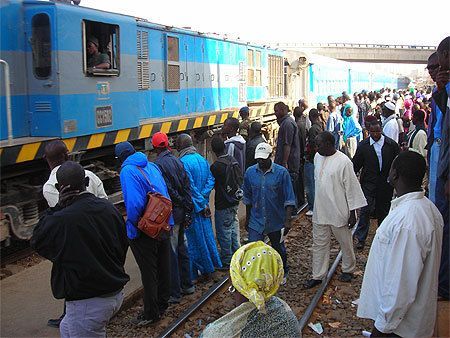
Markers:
146,177
225,160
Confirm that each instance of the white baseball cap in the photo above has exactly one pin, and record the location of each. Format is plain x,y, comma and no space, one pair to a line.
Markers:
263,150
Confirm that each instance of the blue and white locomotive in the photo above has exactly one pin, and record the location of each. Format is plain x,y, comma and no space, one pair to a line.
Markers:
160,78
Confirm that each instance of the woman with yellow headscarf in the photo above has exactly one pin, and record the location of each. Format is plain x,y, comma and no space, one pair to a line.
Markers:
256,271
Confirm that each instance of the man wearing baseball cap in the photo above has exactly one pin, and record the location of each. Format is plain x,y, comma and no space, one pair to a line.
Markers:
179,189
270,201
390,124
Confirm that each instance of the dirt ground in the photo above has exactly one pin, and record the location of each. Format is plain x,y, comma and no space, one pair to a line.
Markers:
335,312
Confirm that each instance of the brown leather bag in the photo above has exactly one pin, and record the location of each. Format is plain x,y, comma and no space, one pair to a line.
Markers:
155,219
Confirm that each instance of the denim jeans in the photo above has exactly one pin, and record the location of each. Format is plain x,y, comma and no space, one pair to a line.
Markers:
274,237
309,184
295,177
433,179
88,317
227,232
437,196
180,265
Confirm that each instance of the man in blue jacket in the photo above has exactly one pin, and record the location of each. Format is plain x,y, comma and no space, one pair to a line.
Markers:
152,256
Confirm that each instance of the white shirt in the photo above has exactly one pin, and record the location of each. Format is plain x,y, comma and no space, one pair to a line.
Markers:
398,106
419,142
390,128
334,122
399,290
308,121
337,190
51,194
378,145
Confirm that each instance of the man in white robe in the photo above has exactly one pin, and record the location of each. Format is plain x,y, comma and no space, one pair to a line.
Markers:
399,290
338,195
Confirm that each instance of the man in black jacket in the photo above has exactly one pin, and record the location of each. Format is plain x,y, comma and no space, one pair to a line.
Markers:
315,129
234,143
374,157
179,189
85,238
226,208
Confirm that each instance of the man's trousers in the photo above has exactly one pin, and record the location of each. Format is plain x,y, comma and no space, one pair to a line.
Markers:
153,259
321,249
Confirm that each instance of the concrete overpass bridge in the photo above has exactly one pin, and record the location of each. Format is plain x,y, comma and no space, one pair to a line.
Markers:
359,52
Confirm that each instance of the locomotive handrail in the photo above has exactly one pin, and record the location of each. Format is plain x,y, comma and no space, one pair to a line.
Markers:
8,101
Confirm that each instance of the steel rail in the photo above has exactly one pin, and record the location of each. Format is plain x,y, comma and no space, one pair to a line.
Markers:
310,309
194,307
198,304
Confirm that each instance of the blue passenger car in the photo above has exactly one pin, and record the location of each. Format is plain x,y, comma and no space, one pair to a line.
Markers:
327,76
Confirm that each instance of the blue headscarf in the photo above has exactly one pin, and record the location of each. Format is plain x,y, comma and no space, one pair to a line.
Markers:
351,126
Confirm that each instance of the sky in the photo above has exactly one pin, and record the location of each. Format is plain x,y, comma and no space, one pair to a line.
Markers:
382,21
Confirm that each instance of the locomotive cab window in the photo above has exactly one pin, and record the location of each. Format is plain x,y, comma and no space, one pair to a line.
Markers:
101,52
41,46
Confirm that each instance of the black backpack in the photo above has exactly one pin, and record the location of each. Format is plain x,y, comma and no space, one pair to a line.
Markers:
233,179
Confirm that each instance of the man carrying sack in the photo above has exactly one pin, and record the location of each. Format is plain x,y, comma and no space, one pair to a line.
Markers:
139,177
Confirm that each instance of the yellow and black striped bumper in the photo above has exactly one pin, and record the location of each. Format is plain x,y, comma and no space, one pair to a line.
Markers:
35,150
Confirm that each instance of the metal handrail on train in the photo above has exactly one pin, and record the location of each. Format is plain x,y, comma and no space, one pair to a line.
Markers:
8,101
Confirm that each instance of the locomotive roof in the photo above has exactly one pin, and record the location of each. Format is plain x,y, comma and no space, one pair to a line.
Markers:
167,28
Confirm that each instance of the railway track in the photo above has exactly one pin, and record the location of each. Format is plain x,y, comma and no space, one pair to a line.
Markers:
206,298
12,258
219,287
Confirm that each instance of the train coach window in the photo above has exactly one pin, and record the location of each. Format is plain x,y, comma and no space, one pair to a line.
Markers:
173,64
101,52
41,46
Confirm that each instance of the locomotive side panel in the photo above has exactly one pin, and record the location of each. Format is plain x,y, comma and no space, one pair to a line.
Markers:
96,102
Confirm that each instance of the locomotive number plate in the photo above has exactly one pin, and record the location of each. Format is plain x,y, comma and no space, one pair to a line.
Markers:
103,116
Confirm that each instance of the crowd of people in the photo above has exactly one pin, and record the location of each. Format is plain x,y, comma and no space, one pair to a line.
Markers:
366,154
